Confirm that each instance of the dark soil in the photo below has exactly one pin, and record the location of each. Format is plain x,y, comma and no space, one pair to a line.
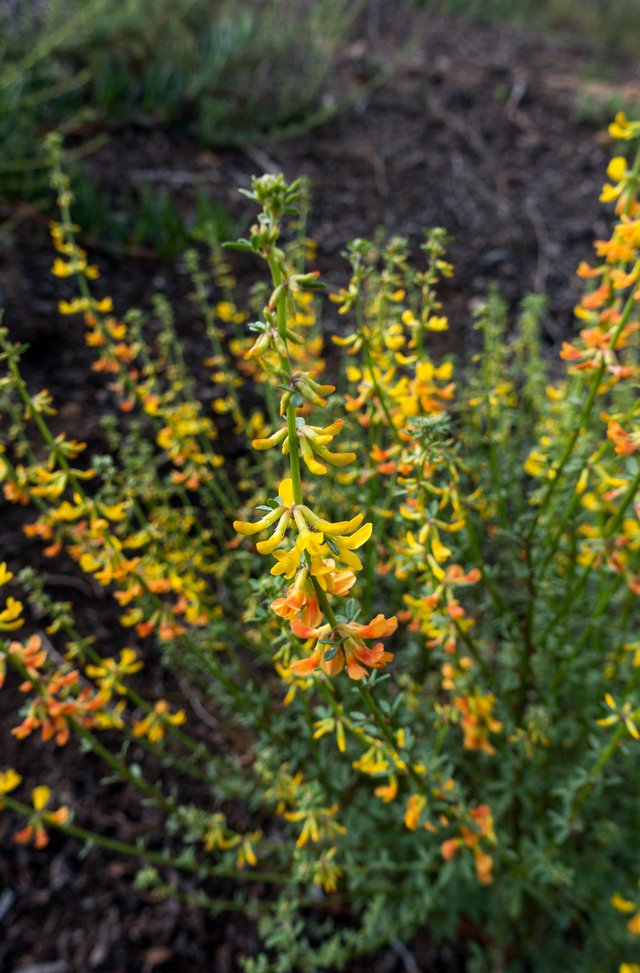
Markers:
479,132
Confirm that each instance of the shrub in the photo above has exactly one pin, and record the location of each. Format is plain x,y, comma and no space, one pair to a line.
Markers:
235,71
411,605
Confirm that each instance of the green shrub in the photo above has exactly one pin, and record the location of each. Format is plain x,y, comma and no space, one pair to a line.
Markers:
426,667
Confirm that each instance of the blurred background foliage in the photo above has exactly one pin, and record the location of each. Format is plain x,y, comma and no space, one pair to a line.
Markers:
234,72
231,72
608,26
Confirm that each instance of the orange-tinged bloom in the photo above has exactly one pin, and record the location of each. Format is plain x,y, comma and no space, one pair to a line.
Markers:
484,866
34,830
415,806
375,629
449,848
624,443
388,792
346,647
153,725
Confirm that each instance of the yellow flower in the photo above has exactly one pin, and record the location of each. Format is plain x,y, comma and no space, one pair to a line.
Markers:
617,168
40,797
282,513
246,855
9,780
347,545
310,541
287,562
10,616
77,265
439,551
83,304
153,725
622,128
5,574
388,792
328,725
110,673
34,829
435,323
621,904
624,715
313,442
535,465
326,873
227,312
317,824
415,806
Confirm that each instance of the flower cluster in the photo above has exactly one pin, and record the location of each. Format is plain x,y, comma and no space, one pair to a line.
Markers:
480,740
322,557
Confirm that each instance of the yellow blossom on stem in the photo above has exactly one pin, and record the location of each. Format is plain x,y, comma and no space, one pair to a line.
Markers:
326,873
246,853
9,780
317,823
626,715
331,724
34,831
11,615
110,672
153,725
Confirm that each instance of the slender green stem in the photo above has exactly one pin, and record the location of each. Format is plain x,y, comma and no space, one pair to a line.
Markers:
609,530
368,360
499,602
294,455
122,771
153,857
582,418
380,720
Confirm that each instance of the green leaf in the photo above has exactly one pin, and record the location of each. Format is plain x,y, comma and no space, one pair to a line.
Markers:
242,245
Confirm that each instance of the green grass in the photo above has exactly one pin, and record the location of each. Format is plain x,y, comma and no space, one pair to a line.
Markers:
611,26
233,72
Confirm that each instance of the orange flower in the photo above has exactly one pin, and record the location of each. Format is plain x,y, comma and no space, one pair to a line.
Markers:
345,645
34,830
625,444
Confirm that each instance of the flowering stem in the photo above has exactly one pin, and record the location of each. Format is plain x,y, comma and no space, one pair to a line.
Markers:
278,276
369,363
379,718
582,580
567,517
596,770
294,456
123,771
154,857
584,415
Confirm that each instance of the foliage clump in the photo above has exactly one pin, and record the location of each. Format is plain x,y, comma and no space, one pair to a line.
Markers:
412,603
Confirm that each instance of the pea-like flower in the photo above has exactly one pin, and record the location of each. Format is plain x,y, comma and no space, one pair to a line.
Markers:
312,441
344,536
345,645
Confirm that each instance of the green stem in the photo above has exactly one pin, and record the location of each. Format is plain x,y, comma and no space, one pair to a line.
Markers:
369,364
154,857
611,528
123,772
582,418
294,455
380,720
